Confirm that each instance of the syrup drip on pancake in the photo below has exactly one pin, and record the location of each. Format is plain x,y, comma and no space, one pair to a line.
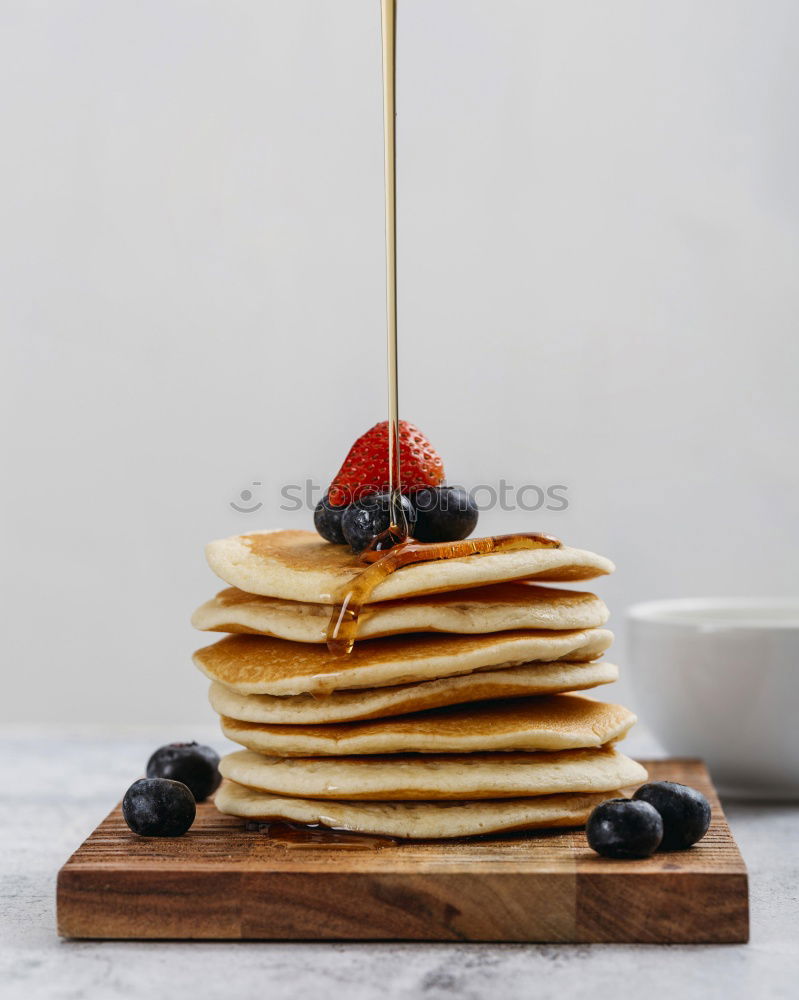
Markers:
343,628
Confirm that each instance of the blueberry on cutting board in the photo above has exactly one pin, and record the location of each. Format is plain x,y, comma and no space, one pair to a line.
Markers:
624,828
158,807
685,812
195,765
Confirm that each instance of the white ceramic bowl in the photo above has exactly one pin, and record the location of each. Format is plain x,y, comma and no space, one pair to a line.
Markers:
718,678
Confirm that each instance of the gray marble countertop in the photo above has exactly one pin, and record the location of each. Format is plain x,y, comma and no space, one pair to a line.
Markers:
58,785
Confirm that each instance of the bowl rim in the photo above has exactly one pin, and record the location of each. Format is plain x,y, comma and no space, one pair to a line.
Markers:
682,611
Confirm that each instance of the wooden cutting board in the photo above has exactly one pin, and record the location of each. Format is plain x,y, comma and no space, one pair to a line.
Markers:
224,881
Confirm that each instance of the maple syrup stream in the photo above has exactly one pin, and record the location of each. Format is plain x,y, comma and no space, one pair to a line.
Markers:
388,21
395,549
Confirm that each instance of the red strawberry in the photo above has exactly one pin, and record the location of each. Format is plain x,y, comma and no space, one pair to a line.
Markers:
365,469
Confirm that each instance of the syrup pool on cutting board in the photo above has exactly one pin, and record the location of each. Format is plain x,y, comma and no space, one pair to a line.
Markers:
343,628
290,835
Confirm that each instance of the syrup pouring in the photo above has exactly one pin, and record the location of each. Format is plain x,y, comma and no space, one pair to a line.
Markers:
394,548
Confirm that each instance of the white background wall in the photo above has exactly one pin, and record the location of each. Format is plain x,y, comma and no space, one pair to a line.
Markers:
599,249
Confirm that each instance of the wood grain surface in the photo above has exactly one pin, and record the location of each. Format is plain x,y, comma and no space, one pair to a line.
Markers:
224,881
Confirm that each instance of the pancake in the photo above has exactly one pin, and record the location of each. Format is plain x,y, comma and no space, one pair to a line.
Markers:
378,703
251,664
417,777
558,722
418,820
301,566
498,608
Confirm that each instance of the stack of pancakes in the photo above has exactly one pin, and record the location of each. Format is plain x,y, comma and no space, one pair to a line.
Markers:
451,715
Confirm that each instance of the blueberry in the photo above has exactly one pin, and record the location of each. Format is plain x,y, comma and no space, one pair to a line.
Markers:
624,828
444,514
327,520
364,519
196,766
685,812
158,807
